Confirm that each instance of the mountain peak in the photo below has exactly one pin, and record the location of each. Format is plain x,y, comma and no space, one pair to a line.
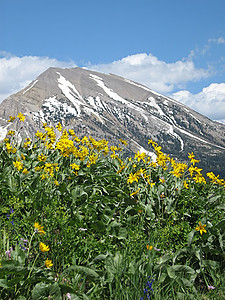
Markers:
112,107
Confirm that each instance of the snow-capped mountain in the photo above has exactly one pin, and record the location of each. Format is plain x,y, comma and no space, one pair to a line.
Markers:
112,107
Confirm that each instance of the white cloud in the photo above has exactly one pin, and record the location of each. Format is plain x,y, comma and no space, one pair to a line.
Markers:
220,40
209,102
157,74
17,72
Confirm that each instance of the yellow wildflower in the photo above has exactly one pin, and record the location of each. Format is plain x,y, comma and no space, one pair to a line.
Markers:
151,184
43,247
59,126
162,180
9,147
25,171
106,150
39,134
114,156
149,247
152,142
123,142
42,157
38,168
48,263
132,178
140,156
191,155
122,167
38,228
93,158
75,167
11,132
18,165
71,132
21,117
11,119
201,228
141,172
186,185
134,193
193,161
199,178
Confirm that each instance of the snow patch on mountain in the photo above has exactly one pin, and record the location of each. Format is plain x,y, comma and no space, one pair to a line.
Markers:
96,103
107,90
3,132
32,85
71,93
171,132
91,111
197,138
116,97
151,102
53,105
149,153
52,108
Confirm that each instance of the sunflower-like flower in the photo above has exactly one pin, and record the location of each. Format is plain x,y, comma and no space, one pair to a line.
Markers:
201,228
48,263
38,228
21,117
43,247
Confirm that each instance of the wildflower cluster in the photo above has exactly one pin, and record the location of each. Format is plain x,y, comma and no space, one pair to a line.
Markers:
148,290
215,179
43,247
94,198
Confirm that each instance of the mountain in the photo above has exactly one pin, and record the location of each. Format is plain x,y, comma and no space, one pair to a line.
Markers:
111,107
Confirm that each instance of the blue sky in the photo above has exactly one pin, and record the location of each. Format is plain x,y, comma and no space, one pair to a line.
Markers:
175,47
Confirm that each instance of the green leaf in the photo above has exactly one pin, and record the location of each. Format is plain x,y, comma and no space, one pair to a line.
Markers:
164,259
99,258
122,233
117,260
212,264
162,277
3,283
171,272
87,271
183,268
42,290
190,237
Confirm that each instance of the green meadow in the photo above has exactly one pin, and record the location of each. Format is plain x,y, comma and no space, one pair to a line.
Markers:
79,220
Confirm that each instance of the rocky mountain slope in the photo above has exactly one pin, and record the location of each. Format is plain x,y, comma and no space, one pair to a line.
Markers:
112,107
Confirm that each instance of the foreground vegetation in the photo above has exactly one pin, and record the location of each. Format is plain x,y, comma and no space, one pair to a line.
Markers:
80,221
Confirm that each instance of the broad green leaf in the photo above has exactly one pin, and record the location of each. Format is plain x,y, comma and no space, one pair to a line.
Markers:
4,283
87,271
171,272
190,237
183,268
